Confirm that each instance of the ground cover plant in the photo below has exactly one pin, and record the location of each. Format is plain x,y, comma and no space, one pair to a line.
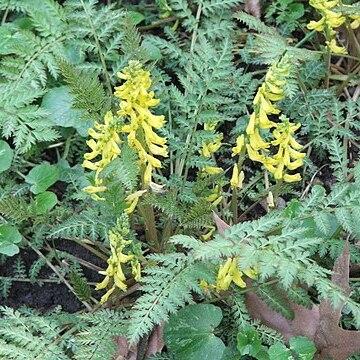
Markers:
179,179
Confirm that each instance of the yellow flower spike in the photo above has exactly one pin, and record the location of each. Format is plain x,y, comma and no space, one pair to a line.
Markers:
158,150
229,273
264,121
205,151
330,20
135,105
295,164
217,201
223,269
251,273
240,143
119,257
136,270
104,143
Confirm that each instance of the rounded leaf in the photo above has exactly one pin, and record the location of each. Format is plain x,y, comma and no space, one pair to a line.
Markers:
41,177
58,102
44,202
189,334
6,156
9,236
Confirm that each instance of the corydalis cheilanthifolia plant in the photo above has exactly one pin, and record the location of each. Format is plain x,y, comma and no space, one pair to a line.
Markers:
135,106
287,156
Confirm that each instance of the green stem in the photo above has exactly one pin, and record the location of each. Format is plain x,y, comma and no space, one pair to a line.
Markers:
305,38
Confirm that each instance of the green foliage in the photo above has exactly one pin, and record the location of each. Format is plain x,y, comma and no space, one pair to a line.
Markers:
58,67
166,287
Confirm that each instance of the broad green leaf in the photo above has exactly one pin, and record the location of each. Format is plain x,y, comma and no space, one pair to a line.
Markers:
41,177
9,236
189,334
152,52
6,156
295,11
303,347
248,341
58,102
44,202
279,351
135,17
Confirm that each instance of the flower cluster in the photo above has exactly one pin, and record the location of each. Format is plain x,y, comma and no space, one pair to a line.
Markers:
260,150
329,21
119,256
104,144
135,105
229,273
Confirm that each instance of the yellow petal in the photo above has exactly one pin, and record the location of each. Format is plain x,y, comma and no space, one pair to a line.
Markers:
147,175
254,155
238,280
292,178
94,189
105,297
213,170
234,181
240,142
251,124
103,284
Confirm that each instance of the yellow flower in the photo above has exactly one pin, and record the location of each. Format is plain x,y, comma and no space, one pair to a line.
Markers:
237,178
316,25
229,273
213,170
287,156
118,258
336,49
132,201
240,143
356,21
104,144
135,106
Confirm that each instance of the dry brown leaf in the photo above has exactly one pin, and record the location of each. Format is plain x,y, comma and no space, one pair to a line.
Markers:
253,8
146,347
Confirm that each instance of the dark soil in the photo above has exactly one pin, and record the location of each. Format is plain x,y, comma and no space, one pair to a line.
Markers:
49,295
